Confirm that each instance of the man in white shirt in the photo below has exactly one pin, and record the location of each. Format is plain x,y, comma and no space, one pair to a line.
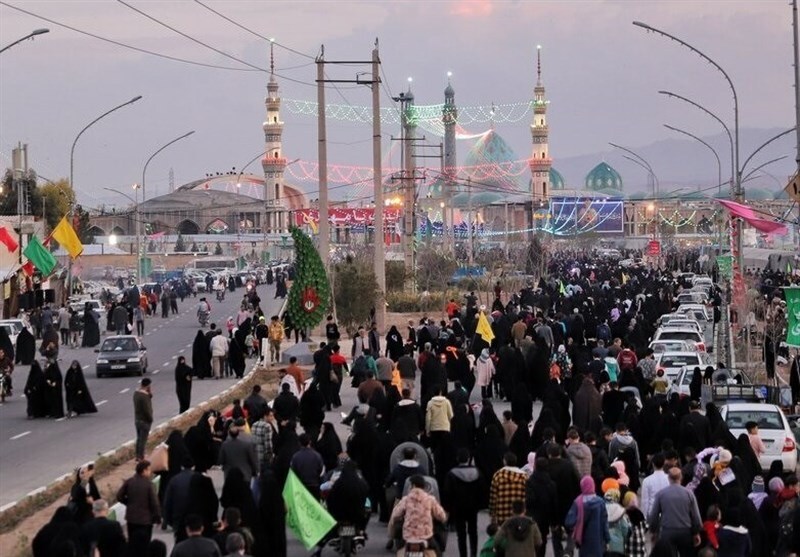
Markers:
286,378
654,483
219,349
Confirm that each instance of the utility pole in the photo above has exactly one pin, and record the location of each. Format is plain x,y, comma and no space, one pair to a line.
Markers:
470,221
322,154
324,226
796,45
379,261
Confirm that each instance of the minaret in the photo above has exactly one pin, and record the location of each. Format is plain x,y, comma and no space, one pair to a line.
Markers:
540,157
449,119
273,162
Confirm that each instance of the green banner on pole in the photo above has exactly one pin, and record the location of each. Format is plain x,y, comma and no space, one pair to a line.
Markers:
793,316
304,515
725,264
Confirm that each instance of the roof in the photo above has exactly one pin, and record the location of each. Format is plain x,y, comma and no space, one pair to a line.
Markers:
197,198
557,181
602,177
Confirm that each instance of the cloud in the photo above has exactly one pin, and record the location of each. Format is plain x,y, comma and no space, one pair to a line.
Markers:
472,8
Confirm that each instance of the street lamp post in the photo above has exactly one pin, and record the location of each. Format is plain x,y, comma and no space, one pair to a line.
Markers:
137,224
72,174
713,151
144,170
30,35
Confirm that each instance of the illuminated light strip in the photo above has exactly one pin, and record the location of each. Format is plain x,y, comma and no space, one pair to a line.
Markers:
498,113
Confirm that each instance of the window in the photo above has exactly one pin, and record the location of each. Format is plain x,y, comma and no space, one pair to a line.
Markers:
119,345
764,418
277,192
680,361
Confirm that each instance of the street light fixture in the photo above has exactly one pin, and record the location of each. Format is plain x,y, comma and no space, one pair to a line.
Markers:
144,170
30,35
113,240
714,151
72,174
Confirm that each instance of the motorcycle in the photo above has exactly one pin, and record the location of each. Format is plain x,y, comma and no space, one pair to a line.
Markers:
202,318
347,542
5,386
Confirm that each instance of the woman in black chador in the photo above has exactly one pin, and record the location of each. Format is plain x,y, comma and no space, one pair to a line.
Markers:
53,398
201,356
34,392
79,400
26,348
183,385
91,330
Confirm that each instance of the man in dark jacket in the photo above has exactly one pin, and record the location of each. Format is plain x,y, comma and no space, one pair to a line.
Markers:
104,534
464,494
374,340
695,430
286,405
255,405
238,452
408,420
142,510
565,476
540,497
307,464
176,499
196,545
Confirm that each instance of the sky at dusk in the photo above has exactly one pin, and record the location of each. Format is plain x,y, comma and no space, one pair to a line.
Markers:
602,76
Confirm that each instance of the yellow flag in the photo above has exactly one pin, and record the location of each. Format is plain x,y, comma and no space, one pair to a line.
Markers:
65,235
624,278
484,329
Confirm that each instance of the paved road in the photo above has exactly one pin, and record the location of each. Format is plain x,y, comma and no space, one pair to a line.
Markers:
33,453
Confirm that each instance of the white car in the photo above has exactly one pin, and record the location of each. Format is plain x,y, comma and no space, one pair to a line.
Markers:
773,428
13,328
682,333
683,323
690,297
658,346
673,362
702,280
698,312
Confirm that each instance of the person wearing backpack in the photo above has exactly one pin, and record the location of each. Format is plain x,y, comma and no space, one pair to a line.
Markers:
788,498
519,536
603,332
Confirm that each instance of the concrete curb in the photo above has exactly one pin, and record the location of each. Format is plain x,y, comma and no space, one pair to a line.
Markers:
18,511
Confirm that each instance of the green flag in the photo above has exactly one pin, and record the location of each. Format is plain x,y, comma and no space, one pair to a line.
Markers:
561,289
40,256
725,264
793,316
304,515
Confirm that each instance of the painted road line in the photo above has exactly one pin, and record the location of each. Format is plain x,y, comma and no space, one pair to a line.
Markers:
21,435
156,372
165,364
123,391
181,351
86,366
175,357
61,419
102,402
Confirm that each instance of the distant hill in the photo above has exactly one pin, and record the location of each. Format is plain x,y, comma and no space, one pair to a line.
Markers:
686,163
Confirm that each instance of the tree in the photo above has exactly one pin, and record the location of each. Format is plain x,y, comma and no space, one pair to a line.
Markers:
435,268
179,244
355,292
218,249
310,295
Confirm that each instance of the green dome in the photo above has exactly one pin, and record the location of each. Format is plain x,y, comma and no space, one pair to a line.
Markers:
603,177
556,180
758,194
638,196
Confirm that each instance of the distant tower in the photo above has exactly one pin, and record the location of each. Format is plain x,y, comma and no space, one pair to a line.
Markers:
540,157
274,163
449,118
171,180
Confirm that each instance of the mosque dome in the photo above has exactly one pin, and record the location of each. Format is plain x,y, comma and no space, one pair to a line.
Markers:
603,177
556,180
449,91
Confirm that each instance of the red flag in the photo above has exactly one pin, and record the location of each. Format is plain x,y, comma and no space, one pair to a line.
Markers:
28,268
8,240
749,216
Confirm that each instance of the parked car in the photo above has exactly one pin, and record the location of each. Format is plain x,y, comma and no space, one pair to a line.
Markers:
699,312
659,346
120,354
673,362
773,428
683,333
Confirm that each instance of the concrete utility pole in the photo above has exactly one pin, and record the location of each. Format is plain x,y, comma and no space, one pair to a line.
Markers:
324,227
470,223
322,155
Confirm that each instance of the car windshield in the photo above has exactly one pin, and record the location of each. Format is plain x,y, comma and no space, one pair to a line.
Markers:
765,419
119,345
680,335
680,361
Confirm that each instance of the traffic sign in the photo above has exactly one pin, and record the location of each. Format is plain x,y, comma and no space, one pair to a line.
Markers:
793,187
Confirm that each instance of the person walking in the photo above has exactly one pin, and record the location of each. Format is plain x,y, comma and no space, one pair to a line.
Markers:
675,516
63,324
219,351
196,544
275,336
463,496
138,317
519,536
53,387
119,318
238,452
79,400
138,495
183,384
142,415
588,520
103,534
508,485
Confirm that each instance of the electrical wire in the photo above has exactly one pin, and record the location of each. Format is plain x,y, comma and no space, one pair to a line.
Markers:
123,45
194,40
240,26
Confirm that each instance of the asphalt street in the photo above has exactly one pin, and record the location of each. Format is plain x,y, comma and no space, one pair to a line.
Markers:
33,453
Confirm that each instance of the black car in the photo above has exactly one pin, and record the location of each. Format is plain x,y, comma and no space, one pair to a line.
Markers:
121,354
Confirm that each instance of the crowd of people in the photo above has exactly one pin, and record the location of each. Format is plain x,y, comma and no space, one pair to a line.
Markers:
609,466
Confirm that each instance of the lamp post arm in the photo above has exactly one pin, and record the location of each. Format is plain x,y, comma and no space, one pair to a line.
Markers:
25,38
763,145
759,167
714,151
656,183
144,170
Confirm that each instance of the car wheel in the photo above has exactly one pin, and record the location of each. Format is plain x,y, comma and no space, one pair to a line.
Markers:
99,375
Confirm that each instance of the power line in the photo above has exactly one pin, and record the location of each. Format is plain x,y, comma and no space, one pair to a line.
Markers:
123,45
240,26
182,34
